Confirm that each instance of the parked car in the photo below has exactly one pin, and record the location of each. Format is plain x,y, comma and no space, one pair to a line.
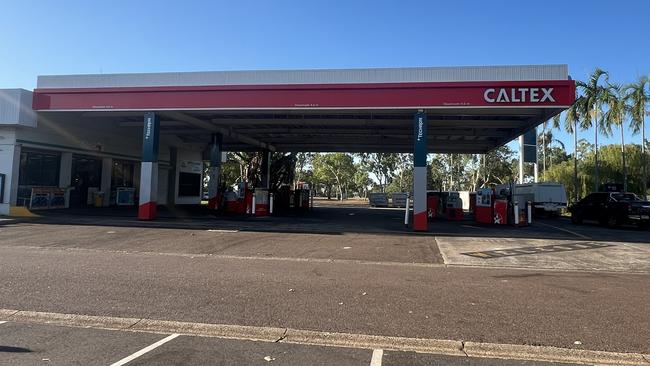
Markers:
612,209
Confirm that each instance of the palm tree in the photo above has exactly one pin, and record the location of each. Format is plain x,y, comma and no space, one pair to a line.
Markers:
571,118
617,110
637,98
589,109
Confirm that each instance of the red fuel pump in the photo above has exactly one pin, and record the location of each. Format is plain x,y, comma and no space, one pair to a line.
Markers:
261,202
240,200
500,212
454,207
483,210
433,202
498,208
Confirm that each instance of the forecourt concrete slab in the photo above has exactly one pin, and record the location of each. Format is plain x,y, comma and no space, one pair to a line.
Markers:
560,254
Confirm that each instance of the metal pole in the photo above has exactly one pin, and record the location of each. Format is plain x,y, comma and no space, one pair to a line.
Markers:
543,153
516,209
575,161
596,178
530,212
645,161
271,203
536,172
521,159
253,205
406,212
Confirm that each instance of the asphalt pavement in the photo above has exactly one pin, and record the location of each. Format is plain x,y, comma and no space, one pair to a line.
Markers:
37,344
348,270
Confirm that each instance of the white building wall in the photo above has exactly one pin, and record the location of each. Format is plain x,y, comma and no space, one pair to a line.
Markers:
104,141
9,162
109,146
16,108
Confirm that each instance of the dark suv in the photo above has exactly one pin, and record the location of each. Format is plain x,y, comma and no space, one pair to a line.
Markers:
612,209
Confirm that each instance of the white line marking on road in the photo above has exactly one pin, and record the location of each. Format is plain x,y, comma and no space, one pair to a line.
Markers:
141,352
565,230
377,355
329,339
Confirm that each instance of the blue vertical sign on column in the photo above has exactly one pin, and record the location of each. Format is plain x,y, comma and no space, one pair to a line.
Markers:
213,171
149,167
420,150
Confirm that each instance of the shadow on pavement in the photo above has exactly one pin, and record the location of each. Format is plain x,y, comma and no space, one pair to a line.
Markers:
329,220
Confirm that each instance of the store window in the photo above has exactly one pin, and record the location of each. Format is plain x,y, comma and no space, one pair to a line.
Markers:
39,168
122,176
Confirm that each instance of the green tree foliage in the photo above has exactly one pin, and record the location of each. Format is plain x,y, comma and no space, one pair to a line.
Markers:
335,170
611,168
591,113
637,96
381,165
498,167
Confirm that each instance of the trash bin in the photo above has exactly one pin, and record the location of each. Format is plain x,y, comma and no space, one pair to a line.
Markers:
99,199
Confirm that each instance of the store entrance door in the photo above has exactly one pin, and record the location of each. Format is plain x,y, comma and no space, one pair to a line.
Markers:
86,179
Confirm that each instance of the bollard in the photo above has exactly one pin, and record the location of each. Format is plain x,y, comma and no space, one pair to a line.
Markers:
311,199
516,212
253,205
271,203
530,212
406,212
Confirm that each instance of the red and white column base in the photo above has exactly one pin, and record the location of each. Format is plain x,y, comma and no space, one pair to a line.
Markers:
213,187
148,190
420,216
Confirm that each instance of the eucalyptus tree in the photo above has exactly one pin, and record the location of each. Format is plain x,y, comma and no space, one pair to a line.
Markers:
382,165
545,143
637,97
590,108
617,110
543,136
571,119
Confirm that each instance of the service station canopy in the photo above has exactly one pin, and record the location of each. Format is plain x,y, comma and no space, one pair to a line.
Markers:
469,109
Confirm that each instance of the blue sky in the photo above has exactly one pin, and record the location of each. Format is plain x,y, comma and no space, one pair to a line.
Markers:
64,37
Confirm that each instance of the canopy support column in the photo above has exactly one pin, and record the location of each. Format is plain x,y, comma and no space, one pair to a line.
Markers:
149,167
266,170
420,149
214,170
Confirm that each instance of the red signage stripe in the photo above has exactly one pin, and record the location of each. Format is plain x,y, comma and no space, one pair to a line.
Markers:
307,96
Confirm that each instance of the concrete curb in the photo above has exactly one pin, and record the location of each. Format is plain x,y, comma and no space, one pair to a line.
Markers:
318,338
265,334
72,320
554,354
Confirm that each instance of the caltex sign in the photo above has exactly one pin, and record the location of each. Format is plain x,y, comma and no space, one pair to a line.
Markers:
518,95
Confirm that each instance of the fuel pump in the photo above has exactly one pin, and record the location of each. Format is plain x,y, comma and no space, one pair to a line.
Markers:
502,206
261,202
454,206
483,210
239,199
302,196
